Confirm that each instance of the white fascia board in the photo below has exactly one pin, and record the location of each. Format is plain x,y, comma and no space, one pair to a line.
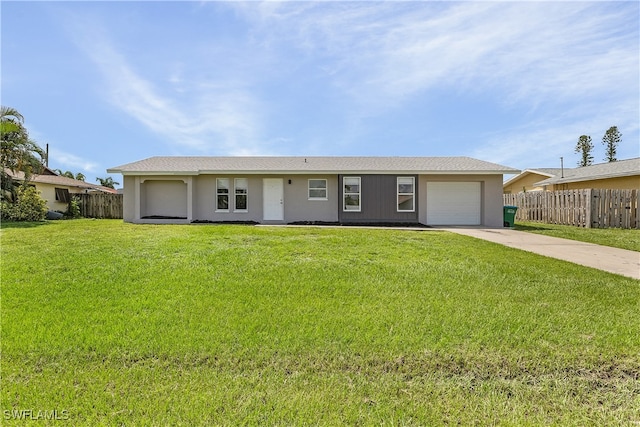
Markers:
150,173
353,172
309,172
464,172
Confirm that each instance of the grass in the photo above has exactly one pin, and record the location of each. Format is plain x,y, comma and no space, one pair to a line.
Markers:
111,323
614,237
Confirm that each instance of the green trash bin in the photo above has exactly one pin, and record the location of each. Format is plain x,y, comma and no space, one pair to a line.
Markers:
509,215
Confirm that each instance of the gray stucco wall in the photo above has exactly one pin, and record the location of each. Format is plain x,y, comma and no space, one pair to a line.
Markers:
297,206
128,198
493,202
205,199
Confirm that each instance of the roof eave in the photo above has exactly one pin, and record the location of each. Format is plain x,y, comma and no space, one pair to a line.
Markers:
147,173
523,174
587,178
312,172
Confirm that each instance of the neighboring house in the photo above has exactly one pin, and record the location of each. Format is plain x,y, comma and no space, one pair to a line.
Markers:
57,190
345,190
527,180
620,175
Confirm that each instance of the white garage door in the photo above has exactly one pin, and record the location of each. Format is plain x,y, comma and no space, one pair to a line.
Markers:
454,203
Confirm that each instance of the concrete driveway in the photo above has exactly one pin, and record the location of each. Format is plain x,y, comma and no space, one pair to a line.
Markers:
613,260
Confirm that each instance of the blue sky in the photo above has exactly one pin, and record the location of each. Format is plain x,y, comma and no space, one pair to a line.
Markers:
516,83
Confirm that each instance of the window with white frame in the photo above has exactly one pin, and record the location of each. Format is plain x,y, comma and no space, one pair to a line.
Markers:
406,194
241,186
222,194
351,193
317,189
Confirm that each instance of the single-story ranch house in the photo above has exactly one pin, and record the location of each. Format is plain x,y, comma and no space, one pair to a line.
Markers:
345,190
57,190
528,178
619,175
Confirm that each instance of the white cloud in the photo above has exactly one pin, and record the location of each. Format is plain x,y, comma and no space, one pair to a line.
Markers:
573,66
542,142
375,57
384,52
188,113
59,159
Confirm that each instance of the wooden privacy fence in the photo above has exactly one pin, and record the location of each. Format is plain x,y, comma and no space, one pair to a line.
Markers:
100,205
590,208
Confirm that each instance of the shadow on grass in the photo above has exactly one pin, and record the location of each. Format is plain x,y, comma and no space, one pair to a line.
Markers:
530,227
25,224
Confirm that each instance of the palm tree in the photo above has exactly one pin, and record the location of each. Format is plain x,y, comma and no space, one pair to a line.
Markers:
18,153
66,174
79,176
107,182
10,120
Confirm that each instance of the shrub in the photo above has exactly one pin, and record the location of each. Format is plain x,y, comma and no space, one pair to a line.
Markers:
74,209
29,206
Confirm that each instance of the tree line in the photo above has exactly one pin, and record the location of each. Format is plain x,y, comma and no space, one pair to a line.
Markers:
20,153
610,140
21,156
105,182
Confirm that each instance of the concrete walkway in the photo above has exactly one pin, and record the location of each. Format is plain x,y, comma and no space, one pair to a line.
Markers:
613,260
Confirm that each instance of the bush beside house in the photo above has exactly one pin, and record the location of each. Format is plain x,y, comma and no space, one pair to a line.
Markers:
28,206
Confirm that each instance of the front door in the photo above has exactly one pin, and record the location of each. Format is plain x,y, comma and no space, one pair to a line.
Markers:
273,196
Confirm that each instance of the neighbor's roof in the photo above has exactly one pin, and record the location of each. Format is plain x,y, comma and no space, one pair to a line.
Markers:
548,172
309,165
621,168
63,181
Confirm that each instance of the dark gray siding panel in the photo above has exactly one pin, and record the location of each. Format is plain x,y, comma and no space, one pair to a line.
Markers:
378,201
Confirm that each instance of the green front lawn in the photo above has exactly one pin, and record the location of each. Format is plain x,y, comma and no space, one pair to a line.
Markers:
111,323
614,237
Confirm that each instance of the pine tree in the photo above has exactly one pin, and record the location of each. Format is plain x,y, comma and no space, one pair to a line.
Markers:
610,140
584,147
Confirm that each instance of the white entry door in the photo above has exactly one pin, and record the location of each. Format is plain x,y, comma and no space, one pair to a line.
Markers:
273,197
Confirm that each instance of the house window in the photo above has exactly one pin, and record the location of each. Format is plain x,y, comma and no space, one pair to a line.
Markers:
222,194
241,192
351,193
62,195
317,189
406,194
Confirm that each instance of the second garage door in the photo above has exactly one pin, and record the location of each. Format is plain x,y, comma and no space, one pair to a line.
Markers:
454,203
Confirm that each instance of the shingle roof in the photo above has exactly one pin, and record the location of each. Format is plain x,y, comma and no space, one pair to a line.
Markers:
308,165
63,181
550,172
621,168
